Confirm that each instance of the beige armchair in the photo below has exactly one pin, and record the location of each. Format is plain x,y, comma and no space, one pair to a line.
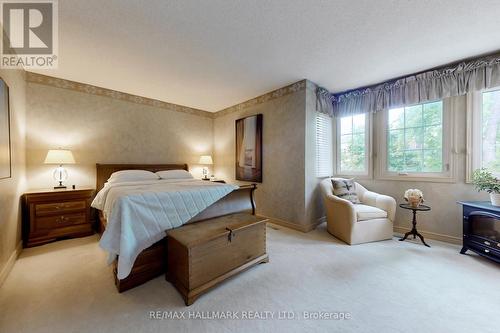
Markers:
358,223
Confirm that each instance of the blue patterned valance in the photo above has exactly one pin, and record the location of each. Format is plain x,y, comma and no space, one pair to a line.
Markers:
453,80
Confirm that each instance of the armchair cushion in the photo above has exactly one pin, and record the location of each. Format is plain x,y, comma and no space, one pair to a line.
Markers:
345,189
365,212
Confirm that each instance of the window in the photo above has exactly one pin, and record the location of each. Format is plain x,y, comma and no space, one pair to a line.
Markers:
483,143
416,142
324,145
415,138
353,145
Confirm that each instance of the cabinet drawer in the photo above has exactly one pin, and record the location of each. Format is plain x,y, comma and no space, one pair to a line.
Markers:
59,207
58,221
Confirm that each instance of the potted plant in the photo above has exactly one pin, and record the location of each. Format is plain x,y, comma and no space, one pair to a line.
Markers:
485,181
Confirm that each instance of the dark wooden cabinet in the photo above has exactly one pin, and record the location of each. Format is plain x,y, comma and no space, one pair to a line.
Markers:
56,214
481,229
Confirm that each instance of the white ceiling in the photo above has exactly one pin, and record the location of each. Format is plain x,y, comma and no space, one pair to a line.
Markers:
216,53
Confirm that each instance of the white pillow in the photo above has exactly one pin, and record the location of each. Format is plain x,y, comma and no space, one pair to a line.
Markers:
174,174
132,175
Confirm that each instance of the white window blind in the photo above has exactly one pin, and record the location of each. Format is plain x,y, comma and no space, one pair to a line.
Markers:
324,145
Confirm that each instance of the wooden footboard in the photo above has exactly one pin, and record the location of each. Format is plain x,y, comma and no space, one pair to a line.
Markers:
152,261
149,264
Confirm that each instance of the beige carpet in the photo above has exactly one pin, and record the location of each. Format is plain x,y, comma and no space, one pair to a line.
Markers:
387,286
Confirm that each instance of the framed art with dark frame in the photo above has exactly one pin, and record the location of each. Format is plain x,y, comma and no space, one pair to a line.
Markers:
248,159
5,149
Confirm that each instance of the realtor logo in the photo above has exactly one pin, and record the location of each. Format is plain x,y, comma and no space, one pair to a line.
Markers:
29,34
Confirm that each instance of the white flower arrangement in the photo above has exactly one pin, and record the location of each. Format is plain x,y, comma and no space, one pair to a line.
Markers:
414,193
414,196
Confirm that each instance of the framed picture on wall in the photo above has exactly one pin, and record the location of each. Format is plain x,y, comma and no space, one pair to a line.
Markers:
248,157
5,155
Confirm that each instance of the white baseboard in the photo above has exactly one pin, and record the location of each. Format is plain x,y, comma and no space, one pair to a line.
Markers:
397,229
10,263
431,235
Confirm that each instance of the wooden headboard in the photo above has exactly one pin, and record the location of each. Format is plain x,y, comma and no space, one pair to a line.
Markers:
104,171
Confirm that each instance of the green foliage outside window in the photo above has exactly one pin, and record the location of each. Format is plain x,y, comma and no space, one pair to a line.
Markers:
491,131
415,138
352,143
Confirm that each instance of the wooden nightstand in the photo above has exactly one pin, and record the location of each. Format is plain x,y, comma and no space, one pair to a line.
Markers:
54,214
215,180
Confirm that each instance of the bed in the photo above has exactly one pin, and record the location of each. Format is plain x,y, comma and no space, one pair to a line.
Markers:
151,262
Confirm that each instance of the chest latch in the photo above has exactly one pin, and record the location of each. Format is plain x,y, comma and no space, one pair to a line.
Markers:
231,235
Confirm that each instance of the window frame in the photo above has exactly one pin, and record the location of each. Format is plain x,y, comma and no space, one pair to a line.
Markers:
474,147
368,173
448,148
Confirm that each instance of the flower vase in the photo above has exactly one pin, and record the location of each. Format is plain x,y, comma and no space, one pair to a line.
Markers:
495,199
414,202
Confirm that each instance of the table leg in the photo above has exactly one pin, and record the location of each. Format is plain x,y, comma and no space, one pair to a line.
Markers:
414,231
405,236
422,239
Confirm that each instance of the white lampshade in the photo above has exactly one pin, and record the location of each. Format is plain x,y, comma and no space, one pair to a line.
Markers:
59,156
206,159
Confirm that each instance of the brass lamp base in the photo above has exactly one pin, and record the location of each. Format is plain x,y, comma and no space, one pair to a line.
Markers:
60,186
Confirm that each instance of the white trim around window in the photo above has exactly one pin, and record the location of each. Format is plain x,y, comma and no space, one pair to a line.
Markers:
367,172
448,173
474,132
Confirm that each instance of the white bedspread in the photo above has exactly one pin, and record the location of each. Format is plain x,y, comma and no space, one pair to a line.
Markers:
139,213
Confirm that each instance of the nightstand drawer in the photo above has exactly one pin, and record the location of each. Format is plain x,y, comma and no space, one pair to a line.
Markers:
58,221
59,207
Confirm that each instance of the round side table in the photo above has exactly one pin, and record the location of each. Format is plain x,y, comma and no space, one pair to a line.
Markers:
413,231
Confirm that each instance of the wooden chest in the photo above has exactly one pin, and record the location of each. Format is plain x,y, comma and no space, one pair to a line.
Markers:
54,214
203,254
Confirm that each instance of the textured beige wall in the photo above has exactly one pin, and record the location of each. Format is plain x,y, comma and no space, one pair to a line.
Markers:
12,188
100,129
281,194
312,196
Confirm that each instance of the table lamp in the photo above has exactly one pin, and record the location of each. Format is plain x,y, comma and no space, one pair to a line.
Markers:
205,160
60,157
